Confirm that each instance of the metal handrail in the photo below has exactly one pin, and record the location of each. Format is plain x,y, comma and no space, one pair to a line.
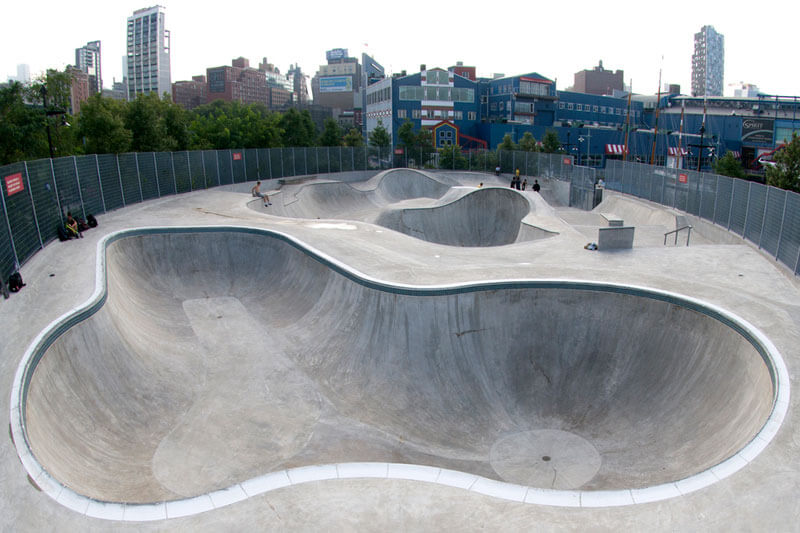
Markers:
675,231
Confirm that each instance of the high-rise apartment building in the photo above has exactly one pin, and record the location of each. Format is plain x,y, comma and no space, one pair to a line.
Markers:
708,62
23,73
87,59
148,53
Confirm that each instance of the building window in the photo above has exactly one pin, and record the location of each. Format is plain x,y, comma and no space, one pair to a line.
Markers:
416,113
561,105
594,109
459,115
401,113
472,115
603,109
578,107
569,106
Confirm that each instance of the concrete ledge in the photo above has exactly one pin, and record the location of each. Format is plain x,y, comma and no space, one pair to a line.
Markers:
613,220
615,238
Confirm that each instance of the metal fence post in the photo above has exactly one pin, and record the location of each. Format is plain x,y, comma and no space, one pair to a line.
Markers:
233,177
78,180
244,162
283,172
258,165
730,205
353,158
55,188
205,176
174,177
158,184
783,219
219,177
100,182
763,219
8,225
33,206
139,176
189,166
119,175
747,209
269,161
716,196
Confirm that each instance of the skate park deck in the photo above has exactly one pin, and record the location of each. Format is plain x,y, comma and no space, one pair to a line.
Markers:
752,287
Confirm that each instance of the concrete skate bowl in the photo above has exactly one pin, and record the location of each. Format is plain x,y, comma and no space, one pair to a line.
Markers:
419,205
224,353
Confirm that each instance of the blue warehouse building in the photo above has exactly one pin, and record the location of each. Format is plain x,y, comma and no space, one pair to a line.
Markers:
479,113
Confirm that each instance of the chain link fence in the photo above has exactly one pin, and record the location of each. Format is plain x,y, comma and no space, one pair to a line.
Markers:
766,216
36,195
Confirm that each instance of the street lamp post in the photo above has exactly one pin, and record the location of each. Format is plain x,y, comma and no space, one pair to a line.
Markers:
49,113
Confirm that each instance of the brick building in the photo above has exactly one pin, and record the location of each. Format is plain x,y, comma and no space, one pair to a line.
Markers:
237,83
190,94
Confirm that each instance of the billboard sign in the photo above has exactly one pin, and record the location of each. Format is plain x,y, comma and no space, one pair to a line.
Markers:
336,53
336,84
237,156
14,184
757,130
683,178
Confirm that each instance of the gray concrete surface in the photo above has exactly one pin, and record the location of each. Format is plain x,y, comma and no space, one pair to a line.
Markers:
201,432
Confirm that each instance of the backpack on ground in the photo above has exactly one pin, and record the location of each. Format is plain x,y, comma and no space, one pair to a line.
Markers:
91,221
15,282
63,234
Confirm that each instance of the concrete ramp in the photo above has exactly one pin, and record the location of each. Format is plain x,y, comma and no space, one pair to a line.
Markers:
472,217
222,355
431,207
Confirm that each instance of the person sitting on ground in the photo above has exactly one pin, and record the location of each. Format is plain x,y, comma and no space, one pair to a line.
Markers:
256,191
536,186
72,226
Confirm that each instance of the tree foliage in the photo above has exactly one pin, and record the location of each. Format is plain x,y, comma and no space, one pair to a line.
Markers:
22,133
450,157
101,124
507,143
379,136
785,174
550,142
406,135
354,139
331,133
528,143
298,128
225,125
728,165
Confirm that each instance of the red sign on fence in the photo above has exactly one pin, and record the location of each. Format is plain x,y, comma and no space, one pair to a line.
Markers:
567,161
237,156
683,178
14,184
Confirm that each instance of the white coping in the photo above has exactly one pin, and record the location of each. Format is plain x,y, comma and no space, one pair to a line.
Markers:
359,470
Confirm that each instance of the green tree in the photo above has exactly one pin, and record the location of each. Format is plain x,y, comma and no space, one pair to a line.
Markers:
507,143
101,126
144,122
55,87
450,157
424,143
406,135
528,143
331,133
354,139
225,125
298,128
728,165
550,142
22,127
785,174
379,136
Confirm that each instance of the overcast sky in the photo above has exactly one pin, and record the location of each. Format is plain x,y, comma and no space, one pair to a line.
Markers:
555,39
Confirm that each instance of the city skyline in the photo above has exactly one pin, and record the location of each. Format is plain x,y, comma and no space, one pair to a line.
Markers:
554,41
